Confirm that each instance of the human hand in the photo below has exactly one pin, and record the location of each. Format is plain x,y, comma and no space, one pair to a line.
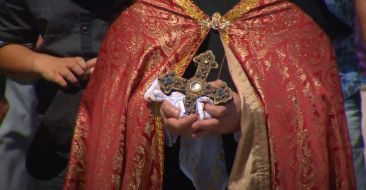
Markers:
61,70
225,118
90,68
180,126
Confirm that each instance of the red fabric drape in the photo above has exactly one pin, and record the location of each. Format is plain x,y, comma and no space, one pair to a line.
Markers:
289,60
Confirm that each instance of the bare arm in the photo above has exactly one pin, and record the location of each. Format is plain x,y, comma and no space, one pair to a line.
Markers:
17,62
23,64
361,13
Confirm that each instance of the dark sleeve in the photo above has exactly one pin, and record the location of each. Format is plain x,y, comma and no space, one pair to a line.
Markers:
16,23
108,10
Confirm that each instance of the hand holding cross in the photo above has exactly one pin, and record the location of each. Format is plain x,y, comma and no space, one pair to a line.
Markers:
196,86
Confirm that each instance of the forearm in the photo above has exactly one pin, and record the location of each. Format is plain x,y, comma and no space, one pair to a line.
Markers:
361,13
23,64
19,62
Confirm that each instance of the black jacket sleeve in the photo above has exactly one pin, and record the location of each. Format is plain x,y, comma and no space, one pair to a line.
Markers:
16,23
107,10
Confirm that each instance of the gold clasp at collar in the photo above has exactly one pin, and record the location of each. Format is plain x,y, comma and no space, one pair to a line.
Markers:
217,22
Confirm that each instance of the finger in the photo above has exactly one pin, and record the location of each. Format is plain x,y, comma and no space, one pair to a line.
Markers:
90,71
90,68
60,81
167,110
215,111
81,62
91,63
181,126
69,76
76,68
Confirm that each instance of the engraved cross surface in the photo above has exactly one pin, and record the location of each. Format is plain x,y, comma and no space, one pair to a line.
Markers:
196,86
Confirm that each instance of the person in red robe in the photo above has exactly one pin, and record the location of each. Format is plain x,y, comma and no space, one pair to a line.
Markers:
291,116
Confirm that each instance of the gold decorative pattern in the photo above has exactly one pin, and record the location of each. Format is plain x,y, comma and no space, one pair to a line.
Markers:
160,135
225,37
199,16
191,9
240,9
181,66
79,149
290,59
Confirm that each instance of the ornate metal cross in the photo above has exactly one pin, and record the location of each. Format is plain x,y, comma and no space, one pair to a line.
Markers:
196,86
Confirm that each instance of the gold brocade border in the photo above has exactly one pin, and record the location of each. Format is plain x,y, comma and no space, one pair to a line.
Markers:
182,65
191,9
240,9
225,37
236,12
198,15
160,135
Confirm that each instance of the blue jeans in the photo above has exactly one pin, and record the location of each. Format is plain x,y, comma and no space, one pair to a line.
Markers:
353,114
16,134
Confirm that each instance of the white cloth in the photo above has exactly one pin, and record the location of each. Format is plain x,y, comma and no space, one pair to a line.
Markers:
154,94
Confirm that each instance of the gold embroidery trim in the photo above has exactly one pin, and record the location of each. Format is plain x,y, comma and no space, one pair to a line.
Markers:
240,9
181,66
191,9
160,135
236,12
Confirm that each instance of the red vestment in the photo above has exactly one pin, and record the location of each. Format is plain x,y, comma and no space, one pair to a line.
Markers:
118,141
